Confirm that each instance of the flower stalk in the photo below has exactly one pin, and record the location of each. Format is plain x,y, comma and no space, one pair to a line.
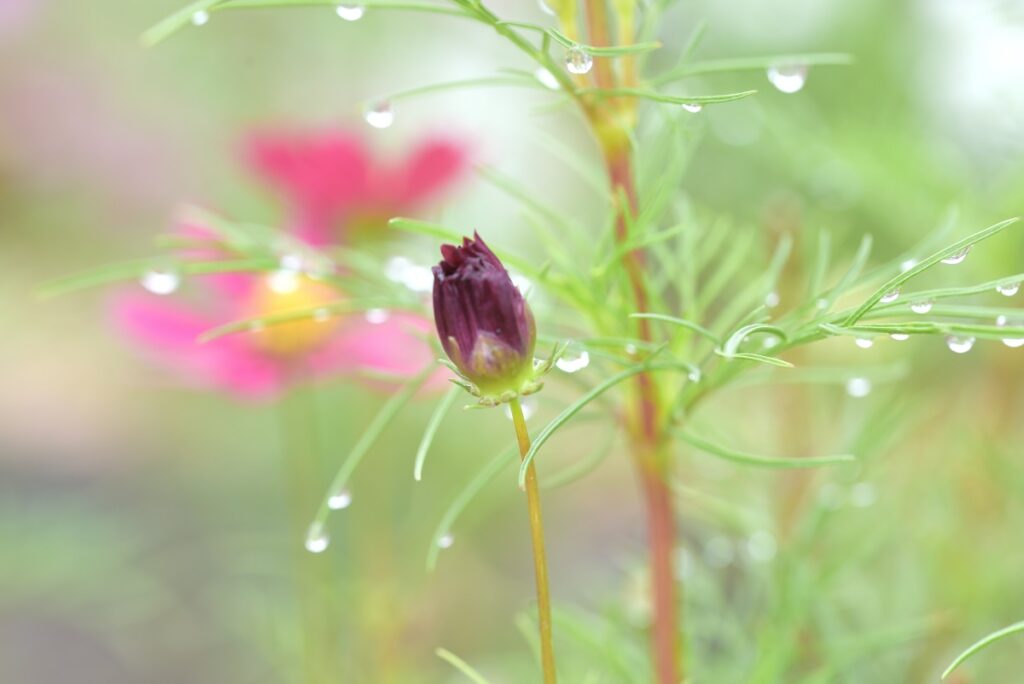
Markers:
540,567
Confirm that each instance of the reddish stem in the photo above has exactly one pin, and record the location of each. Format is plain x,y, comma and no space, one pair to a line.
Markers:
647,449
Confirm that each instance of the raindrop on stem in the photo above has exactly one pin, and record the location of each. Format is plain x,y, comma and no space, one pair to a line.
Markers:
380,115
160,281
958,257
788,78
578,61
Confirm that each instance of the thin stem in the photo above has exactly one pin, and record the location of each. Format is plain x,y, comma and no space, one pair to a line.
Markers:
540,564
313,576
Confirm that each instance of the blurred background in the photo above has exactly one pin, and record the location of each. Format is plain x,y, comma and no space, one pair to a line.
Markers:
143,531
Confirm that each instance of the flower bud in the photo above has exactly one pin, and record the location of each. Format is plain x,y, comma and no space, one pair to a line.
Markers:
485,325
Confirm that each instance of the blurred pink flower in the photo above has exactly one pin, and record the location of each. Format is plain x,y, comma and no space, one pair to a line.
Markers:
333,185
261,363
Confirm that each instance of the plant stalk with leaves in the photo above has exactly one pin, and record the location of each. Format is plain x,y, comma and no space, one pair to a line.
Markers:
488,332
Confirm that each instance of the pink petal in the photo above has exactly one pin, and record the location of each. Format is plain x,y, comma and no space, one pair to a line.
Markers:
394,347
321,176
167,331
431,168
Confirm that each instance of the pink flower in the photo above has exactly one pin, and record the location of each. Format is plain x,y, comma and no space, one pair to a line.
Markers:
333,185
262,363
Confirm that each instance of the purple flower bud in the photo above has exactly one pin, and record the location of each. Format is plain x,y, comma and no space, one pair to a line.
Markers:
484,323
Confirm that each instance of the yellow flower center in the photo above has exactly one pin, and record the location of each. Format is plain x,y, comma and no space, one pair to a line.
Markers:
285,292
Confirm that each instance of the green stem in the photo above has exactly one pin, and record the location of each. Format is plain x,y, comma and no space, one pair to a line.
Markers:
317,616
540,565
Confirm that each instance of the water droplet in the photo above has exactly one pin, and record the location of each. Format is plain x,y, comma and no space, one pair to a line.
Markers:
575,358
401,270
317,539
858,387
322,315
922,307
1009,289
769,342
578,60
529,406
446,540
788,78
907,265
771,300
547,79
900,337
380,115
292,262
890,296
954,259
630,349
340,500
719,552
863,495
694,375
693,107
284,282
161,282
1012,342
761,546
960,344
350,12
864,342
822,303
200,18
546,8
377,316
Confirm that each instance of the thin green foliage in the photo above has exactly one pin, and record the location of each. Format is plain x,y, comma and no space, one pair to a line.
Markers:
442,409
983,643
760,461
376,427
461,665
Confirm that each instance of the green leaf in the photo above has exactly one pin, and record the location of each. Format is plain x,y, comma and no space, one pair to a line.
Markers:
136,269
461,665
594,50
907,298
574,408
515,81
761,461
750,64
856,266
620,50
925,264
697,328
758,358
732,344
645,94
380,422
175,22
983,643
584,467
463,499
430,431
